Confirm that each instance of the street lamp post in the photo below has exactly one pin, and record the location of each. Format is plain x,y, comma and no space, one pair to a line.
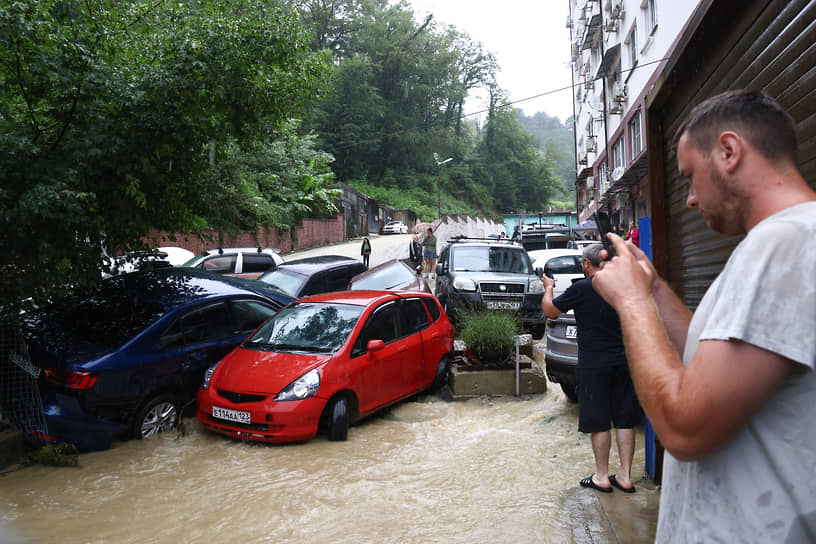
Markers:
439,182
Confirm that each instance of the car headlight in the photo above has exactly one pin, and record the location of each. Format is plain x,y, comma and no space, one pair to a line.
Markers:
302,388
205,384
464,284
535,287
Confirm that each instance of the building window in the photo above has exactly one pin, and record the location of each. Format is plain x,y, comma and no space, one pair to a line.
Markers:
635,134
631,46
619,153
649,8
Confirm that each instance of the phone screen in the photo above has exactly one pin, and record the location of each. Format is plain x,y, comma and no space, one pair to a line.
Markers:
604,226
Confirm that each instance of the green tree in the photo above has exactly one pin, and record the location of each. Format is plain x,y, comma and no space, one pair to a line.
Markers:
111,112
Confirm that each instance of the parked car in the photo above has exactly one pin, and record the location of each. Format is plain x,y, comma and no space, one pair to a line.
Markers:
245,262
150,259
313,275
325,362
561,353
492,274
580,244
124,359
393,275
395,227
563,265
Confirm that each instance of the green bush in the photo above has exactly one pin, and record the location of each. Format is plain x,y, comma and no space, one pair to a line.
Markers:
490,335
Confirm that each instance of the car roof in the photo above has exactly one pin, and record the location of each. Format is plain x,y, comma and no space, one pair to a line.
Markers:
313,264
361,298
223,250
168,288
547,254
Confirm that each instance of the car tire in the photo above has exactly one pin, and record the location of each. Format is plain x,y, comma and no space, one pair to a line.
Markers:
569,391
159,414
338,419
442,375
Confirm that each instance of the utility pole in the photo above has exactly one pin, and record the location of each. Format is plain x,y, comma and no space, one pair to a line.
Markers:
439,182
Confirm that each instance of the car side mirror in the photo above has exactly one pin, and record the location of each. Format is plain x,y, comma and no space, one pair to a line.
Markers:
375,345
539,272
440,269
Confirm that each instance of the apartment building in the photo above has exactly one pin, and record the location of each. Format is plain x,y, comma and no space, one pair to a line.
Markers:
618,49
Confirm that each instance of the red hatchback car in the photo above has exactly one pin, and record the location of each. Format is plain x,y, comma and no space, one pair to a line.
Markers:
325,362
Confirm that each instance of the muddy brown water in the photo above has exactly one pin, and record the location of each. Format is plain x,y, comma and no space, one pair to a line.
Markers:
482,470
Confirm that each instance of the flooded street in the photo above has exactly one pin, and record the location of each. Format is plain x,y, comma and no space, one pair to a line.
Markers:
482,470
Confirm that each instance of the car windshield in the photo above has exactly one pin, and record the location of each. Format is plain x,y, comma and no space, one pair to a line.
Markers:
491,259
286,281
312,327
387,277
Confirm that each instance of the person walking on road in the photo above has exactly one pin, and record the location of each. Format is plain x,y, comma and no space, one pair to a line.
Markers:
415,252
429,253
605,389
365,251
735,411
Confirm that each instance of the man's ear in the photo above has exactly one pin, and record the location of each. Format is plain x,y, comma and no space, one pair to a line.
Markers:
730,149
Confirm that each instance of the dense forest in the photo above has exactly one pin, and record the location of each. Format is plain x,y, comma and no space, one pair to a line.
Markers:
119,117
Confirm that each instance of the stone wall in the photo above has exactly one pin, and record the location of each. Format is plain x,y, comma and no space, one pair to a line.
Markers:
308,233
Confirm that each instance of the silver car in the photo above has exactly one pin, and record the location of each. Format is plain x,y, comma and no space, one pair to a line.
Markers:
561,354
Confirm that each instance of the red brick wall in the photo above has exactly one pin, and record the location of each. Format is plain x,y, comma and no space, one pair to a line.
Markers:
309,233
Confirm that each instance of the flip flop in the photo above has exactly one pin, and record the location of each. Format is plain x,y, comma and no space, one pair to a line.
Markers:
587,482
614,481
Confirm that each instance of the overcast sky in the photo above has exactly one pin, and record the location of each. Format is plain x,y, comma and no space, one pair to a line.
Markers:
530,40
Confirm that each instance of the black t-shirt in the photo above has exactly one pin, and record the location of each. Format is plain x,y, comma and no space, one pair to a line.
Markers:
600,341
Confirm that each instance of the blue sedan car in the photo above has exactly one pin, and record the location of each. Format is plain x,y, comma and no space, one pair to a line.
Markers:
124,360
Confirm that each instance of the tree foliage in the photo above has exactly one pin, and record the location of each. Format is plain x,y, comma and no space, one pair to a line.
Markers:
108,114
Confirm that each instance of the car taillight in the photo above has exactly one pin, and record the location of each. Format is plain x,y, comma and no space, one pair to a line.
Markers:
71,379
551,322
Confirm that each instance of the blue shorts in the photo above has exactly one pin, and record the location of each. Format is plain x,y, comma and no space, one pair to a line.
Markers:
607,395
429,253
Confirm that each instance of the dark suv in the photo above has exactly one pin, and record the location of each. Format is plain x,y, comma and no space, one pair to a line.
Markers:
493,274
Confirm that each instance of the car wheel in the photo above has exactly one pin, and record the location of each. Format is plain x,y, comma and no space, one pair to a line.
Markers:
159,414
569,391
338,419
442,375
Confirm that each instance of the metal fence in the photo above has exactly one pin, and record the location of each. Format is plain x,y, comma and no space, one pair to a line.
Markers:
20,403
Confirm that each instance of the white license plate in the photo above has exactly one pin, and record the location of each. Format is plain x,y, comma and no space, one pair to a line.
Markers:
572,331
231,415
497,305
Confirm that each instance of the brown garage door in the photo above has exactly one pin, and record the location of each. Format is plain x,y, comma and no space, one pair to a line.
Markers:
763,45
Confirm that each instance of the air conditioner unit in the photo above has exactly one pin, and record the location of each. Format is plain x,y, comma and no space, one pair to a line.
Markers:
611,25
615,109
619,91
591,145
590,182
582,159
589,84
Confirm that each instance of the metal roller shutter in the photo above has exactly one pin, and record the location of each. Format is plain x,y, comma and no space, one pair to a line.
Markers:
764,45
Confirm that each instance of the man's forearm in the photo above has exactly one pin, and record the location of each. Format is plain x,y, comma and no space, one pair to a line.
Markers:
547,306
675,315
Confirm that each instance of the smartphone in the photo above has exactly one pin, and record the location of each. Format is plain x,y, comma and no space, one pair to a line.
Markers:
604,226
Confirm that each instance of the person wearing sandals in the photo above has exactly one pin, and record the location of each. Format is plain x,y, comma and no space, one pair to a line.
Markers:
605,390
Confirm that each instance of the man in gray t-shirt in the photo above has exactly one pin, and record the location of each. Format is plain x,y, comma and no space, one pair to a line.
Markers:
737,414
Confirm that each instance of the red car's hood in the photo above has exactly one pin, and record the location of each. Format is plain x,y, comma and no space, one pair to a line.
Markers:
264,372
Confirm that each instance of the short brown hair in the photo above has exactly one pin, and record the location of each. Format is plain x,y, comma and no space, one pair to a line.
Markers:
753,115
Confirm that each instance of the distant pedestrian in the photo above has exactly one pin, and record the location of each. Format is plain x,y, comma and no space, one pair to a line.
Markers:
634,233
415,253
429,253
365,251
605,389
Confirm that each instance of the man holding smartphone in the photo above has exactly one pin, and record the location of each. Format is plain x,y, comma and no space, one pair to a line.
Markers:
605,390
736,410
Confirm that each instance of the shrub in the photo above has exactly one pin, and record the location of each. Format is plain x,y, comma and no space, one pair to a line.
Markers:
490,335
